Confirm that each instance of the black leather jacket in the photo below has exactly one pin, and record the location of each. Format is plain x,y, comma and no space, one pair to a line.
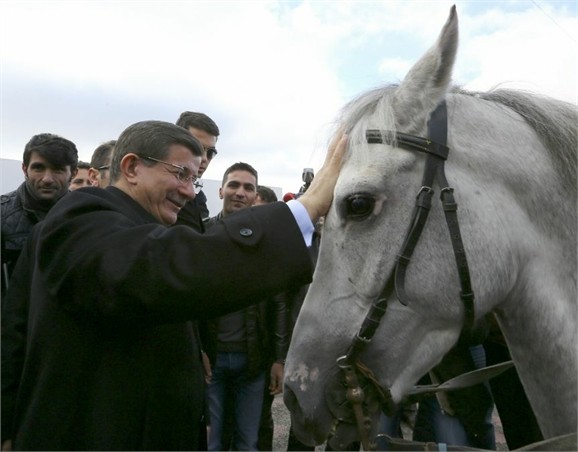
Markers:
18,219
193,213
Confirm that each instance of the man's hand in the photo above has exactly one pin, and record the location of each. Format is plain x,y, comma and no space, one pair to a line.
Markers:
317,199
7,445
276,384
207,367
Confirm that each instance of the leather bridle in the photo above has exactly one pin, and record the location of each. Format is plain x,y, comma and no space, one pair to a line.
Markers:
435,146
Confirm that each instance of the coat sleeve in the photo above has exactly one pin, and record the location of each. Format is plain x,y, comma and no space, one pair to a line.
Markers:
281,323
147,272
14,333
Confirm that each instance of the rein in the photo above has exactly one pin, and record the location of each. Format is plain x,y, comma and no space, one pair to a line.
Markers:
437,152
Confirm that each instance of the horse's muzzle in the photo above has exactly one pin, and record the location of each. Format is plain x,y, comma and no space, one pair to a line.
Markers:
309,429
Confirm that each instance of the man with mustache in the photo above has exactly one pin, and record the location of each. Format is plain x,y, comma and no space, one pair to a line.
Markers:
49,163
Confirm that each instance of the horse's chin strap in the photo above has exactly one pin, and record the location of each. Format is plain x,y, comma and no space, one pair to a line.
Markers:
437,151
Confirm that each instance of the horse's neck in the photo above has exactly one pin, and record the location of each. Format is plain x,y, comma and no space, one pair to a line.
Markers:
540,328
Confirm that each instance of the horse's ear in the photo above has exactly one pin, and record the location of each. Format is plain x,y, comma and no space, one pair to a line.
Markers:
427,82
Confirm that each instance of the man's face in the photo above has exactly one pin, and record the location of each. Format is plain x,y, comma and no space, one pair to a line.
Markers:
259,201
157,187
238,192
80,180
209,142
45,181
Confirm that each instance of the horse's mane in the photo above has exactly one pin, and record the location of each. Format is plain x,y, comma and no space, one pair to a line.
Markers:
555,121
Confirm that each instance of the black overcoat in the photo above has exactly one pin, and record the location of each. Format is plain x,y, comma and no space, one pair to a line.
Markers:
104,344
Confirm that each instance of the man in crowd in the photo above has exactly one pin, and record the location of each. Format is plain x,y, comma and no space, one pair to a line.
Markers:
99,171
82,179
265,195
244,345
100,355
49,163
207,132
195,211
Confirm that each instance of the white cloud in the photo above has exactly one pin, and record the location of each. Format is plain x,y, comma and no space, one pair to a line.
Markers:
272,74
529,50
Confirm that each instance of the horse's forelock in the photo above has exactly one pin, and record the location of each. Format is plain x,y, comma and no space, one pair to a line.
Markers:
371,110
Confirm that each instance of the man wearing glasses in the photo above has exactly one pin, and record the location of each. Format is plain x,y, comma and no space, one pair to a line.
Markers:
98,350
207,132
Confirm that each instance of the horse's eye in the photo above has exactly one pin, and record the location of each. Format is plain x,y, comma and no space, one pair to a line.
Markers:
360,206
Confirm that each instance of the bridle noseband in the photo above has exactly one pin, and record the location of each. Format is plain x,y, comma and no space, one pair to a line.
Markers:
435,146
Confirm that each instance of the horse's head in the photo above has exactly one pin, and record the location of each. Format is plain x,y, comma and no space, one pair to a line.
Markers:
363,232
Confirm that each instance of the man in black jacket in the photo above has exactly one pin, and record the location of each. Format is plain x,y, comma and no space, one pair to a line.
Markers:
97,350
244,345
49,164
207,132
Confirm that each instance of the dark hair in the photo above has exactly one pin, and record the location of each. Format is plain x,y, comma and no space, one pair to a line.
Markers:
102,154
239,166
83,165
266,194
151,138
59,151
198,121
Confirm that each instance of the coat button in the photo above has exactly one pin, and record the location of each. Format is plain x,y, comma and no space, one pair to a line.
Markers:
246,232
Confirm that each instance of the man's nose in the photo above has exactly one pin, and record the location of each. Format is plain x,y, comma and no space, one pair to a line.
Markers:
204,159
187,190
48,176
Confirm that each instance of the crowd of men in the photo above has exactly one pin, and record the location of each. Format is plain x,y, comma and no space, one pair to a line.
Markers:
120,299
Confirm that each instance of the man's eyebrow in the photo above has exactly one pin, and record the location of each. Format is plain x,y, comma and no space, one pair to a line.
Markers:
45,165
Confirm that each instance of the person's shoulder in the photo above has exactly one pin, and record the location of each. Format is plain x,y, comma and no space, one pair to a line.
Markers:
94,194
7,197
211,221
10,202
12,195
87,199
91,201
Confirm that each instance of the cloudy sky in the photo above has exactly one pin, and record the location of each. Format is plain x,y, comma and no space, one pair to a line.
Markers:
272,74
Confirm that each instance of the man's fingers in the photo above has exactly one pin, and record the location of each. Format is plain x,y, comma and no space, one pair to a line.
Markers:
337,148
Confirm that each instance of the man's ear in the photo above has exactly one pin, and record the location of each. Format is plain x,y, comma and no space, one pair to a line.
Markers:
220,192
129,168
92,176
24,170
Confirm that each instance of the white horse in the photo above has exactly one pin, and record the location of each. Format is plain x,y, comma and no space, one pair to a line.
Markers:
512,163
